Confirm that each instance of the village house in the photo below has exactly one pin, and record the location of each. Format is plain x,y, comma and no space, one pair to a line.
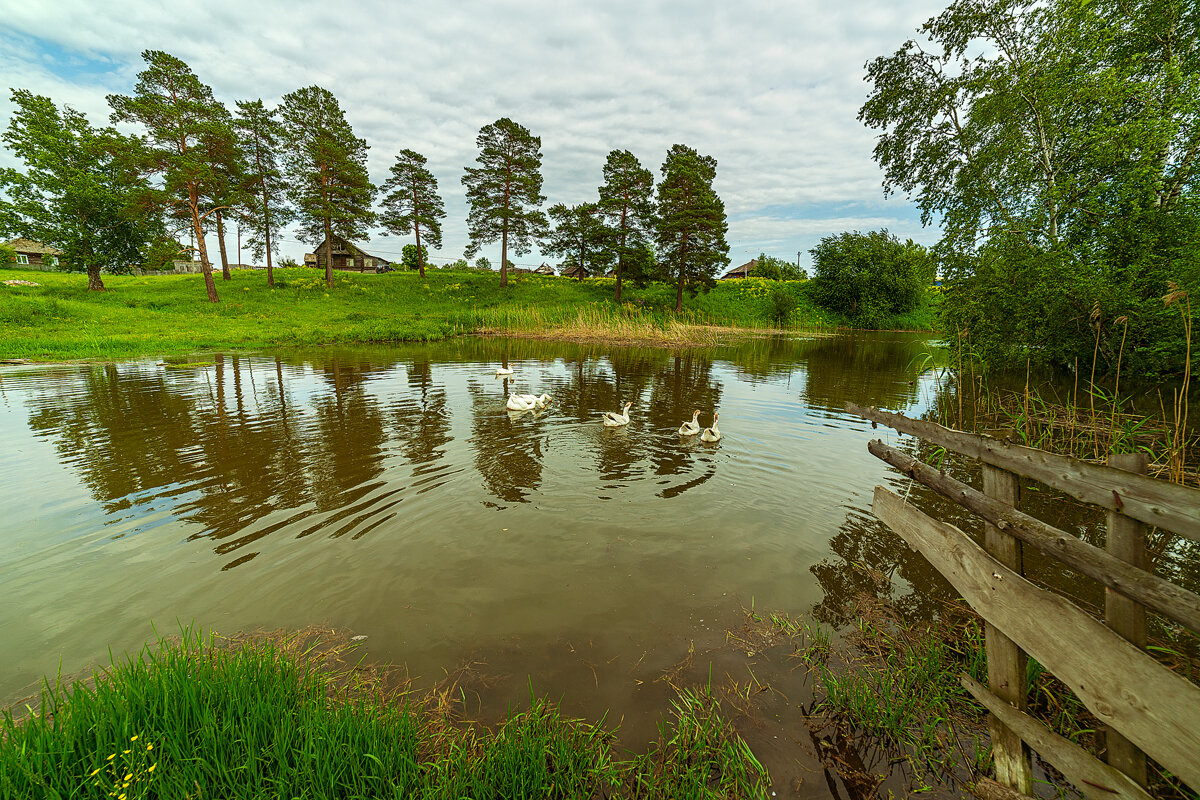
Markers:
346,256
544,269
34,255
741,272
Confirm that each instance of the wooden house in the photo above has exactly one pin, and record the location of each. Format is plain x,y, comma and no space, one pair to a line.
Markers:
741,272
34,255
346,256
544,269
572,271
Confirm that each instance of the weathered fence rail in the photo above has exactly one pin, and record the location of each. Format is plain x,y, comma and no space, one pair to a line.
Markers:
1147,708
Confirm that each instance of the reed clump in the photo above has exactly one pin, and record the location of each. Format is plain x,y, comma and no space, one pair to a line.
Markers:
291,717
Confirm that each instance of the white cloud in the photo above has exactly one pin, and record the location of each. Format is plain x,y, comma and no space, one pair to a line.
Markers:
770,89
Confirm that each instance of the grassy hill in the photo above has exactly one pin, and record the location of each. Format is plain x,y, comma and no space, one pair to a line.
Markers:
168,314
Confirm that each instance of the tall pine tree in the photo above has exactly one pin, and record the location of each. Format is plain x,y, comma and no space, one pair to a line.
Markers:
260,135
326,169
413,203
505,191
185,131
690,224
627,204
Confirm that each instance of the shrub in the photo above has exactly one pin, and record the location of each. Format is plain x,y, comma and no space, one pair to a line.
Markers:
869,277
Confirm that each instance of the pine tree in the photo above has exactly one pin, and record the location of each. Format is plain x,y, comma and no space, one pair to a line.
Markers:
185,128
413,202
260,135
505,191
579,236
326,169
690,225
627,204
79,192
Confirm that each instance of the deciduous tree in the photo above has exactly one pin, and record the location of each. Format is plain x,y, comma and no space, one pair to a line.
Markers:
627,204
79,191
326,169
868,276
505,191
1058,144
690,224
412,203
185,128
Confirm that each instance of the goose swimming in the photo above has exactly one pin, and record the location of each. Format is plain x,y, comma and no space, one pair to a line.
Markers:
711,434
612,419
691,428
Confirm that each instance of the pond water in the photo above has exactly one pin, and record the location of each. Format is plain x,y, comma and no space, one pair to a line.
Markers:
387,491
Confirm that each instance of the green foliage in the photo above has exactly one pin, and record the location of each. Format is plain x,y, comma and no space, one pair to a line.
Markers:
777,269
412,257
194,719
690,225
412,203
325,165
505,191
483,263
287,262
579,237
260,135
783,303
627,206
869,277
162,251
1057,144
79,192
7,255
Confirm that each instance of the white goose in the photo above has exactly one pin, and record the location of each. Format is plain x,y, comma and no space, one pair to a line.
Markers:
517,402
711,434
612,419
535,400
691,428
503,371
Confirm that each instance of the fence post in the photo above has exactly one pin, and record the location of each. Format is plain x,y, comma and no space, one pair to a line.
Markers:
1126,541
1006,661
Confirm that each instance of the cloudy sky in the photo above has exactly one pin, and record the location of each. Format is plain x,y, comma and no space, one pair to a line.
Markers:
771,90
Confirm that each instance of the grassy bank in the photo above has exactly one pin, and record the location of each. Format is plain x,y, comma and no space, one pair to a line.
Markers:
285,719
168,314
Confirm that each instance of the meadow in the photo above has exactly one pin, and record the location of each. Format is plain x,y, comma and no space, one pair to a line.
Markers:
168,314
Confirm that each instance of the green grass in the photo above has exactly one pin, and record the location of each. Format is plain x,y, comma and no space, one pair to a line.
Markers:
168,314
190,719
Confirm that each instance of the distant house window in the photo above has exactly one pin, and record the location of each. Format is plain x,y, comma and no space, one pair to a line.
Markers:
22,258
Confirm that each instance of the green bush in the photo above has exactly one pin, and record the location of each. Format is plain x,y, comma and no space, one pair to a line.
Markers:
869,277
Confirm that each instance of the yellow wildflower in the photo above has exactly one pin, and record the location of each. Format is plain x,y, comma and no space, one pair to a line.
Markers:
114,755
133,738
152,766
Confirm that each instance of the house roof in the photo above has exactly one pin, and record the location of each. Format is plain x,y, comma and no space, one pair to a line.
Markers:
352,246
741,272
571,271
544,269
30,247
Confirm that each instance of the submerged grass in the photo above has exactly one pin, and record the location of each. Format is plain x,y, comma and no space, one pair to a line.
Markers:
254,719
59,319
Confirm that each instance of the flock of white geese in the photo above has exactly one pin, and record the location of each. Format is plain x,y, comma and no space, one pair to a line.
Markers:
611,419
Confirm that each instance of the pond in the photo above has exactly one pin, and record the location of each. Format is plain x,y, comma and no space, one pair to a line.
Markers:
388,492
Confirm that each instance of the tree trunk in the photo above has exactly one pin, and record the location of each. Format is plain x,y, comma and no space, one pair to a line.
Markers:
504,256
328,254
621,253
205,265
420,255
679,287
221,244
417,228
94,282
267,229
581,252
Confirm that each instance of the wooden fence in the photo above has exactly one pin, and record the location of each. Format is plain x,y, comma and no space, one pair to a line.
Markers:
1147,709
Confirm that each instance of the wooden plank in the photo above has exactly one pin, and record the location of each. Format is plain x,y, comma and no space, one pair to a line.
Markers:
1167,505
1148,589
1005,661
1149,704
1086,772
1127,617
